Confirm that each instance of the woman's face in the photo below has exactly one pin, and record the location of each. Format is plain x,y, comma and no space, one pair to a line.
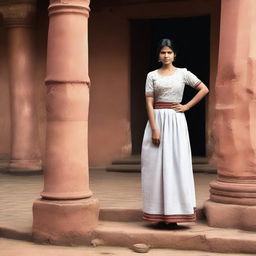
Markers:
166,55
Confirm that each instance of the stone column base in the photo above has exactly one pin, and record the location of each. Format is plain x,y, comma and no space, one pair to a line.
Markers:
25,166
66,222
230,215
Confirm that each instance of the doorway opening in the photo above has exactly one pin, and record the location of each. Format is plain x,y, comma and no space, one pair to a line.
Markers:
192,36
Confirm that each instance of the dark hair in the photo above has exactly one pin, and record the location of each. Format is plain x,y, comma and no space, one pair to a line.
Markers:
166,42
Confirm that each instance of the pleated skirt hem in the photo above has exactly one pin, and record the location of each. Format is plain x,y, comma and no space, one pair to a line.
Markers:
170,218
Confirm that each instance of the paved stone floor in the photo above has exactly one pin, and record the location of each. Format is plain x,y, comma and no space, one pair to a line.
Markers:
22,248
113,189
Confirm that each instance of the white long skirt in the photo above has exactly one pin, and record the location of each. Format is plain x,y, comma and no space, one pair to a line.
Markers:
167,174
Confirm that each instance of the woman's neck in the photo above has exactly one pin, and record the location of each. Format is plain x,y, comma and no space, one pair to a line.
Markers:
169,67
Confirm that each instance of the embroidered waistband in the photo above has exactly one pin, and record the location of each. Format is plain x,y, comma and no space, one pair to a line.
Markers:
158,105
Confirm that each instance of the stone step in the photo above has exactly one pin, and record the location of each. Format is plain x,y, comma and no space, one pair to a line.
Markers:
13,248
204,168
3,165
124,227
23,230
133,215
133,164
135,159
124,168
197,236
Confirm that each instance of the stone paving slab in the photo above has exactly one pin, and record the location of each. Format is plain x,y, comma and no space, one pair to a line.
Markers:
22,248
188,236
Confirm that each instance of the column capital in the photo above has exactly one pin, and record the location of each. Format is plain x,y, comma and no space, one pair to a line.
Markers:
16,14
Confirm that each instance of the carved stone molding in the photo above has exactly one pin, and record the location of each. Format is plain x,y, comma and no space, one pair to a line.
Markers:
18,13
10,2
69,6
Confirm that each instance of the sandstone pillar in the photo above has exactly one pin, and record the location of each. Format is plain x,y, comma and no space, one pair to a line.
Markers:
233,195
67,213
18,21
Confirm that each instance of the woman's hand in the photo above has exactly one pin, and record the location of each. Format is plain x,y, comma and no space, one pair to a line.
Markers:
181,108
156,137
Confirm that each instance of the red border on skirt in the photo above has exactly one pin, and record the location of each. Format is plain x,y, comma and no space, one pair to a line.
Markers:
169,218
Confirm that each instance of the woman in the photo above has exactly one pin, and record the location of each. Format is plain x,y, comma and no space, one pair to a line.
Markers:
167,175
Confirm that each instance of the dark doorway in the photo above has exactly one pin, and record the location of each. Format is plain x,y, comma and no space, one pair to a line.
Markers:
192,35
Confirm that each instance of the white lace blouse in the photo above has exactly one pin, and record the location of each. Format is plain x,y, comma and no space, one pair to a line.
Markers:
169,88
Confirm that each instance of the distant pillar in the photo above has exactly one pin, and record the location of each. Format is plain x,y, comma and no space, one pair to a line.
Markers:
233,195
67,213
18,21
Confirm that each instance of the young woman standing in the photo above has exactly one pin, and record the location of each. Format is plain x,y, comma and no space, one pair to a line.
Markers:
167,174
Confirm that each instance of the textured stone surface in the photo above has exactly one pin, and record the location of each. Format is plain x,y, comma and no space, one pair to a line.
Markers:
16,216
235,118
234,125
188,237
13,248
17,194
230,215
68,222
67,102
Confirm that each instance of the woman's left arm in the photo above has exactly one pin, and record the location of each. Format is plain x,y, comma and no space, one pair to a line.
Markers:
202,91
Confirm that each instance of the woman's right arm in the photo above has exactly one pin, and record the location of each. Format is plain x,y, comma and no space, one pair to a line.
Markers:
152,122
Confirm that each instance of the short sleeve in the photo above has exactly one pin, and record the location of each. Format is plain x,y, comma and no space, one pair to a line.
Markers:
149,89
191,79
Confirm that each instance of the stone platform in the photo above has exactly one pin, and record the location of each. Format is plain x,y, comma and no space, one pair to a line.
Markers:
22,248
120,217
196,236
133,164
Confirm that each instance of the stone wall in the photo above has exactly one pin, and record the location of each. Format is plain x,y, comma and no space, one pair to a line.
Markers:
109,70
